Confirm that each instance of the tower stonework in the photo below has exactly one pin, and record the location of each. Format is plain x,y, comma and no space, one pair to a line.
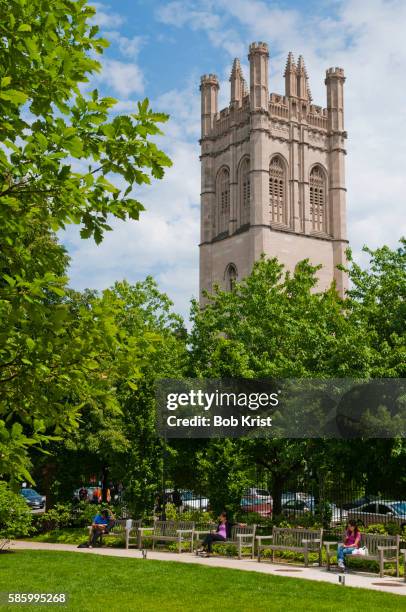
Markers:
272,174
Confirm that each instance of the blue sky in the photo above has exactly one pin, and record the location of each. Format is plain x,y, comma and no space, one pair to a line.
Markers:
160,49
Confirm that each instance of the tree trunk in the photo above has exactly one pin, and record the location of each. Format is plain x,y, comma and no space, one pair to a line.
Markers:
104,480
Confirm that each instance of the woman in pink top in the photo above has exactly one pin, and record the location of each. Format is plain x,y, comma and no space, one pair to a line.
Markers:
223,532
352,541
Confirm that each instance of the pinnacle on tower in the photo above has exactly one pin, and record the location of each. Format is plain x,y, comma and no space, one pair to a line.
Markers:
303,89
258,57
290,76
290,64
238,85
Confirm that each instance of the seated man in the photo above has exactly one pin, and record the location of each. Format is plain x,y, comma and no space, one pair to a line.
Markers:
102,523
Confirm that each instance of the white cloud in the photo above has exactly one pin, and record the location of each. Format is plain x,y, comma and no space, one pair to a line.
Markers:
124,78
184,13
104,16
128,47
200,16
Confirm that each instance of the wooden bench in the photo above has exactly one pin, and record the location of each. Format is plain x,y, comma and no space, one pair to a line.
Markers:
127,528
403,552
169,531
381,548
3,543
240,536
293,540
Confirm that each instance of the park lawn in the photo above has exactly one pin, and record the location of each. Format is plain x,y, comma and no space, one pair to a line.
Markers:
93,582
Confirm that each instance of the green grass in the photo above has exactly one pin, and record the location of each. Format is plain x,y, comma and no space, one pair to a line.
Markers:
94,582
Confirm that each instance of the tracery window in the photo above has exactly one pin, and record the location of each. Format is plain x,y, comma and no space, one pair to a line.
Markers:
318,200
223,200
277,190
244,191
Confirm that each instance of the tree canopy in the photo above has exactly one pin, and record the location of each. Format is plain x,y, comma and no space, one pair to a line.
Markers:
65,157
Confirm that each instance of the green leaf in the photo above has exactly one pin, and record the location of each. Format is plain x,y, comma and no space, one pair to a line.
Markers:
15,96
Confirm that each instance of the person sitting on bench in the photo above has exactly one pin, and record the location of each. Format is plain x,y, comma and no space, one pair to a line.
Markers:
102,522
351,542
223,533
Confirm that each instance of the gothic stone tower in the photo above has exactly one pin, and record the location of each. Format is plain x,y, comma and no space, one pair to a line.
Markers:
273,177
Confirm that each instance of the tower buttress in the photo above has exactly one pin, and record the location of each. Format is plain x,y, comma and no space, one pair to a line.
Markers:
335,112
209,86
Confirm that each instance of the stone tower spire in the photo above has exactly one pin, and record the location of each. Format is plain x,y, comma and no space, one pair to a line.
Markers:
290,76
303,88
209,86
335,98
259,66
237,83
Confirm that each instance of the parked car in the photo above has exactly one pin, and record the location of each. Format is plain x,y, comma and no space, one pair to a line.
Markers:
365,499
193,501
306,497
298,507
35,501
258,494
380,512
257,505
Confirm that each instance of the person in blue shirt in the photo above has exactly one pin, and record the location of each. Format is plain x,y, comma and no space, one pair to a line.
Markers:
101,523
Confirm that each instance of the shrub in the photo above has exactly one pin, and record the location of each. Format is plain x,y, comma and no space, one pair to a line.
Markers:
56,518
393,529
376,528
174,546
15,515
227,550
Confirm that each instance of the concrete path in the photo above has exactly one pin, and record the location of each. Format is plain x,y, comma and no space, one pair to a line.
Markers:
365,581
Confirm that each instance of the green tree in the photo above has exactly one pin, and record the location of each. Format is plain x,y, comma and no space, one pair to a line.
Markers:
275,325
117,434
63,159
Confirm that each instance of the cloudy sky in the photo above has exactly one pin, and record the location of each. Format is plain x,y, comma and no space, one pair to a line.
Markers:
159,49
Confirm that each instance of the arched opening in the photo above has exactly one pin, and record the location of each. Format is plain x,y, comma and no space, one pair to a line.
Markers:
278,190
223,200
244,188
231,276
318,199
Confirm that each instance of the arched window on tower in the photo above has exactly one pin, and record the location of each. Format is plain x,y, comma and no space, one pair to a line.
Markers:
318,199
277,190
223,200
231,276
244,191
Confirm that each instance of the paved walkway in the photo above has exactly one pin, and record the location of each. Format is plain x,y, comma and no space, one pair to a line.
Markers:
365,581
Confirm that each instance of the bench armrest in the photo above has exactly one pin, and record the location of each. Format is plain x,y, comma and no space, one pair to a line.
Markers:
185,531
387,547
259,538
142,529
328,545
403,551
241,536
316,541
